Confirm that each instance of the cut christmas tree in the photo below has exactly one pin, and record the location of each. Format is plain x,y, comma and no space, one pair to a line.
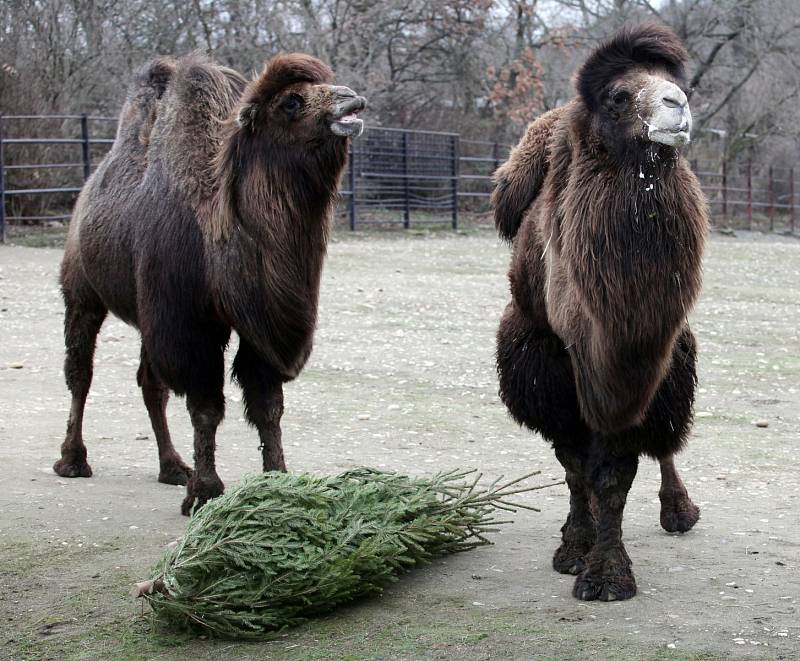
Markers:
282,547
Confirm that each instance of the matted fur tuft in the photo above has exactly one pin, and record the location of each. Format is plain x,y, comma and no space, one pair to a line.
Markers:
284,70
649,45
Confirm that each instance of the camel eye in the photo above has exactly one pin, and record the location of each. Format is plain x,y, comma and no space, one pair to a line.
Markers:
293,103
620,99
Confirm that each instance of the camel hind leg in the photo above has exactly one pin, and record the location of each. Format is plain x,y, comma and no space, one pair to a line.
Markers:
678,512
84,316
172,469
665,431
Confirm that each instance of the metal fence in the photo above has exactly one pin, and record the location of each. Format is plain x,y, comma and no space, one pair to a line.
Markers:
71,145
760,196
394,177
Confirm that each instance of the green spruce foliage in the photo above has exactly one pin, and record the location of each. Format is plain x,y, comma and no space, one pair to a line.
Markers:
282,547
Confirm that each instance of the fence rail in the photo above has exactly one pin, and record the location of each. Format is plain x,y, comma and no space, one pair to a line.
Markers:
394,176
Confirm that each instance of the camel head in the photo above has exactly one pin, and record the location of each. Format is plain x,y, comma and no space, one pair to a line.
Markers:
283,155
635,89
293,103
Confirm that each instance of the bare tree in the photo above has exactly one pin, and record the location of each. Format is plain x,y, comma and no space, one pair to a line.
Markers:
483,67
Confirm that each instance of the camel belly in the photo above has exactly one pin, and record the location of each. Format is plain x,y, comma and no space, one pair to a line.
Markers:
106,254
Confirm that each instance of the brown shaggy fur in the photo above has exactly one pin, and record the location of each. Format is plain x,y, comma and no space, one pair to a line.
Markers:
594,351
210,214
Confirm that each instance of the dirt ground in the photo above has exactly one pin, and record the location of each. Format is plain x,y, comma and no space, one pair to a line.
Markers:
402,377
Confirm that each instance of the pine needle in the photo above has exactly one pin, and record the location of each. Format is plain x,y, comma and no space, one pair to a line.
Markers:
283,547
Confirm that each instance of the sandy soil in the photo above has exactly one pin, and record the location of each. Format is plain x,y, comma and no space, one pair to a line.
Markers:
402,378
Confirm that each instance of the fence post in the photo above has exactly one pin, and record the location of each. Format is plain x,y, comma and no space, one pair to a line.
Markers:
351,175
87,154
496,156
771,193
455,178
2,186
725,189
791,199
407,202
750,194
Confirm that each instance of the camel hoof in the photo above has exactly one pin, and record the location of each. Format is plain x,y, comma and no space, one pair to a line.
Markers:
66,468
679,515
186,505
599,587
607,577
191,504
569,558
199,491
176,473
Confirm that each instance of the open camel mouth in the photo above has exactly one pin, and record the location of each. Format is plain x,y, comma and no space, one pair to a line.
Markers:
344,119
671,138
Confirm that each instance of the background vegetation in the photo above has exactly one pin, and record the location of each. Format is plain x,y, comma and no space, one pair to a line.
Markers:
479,67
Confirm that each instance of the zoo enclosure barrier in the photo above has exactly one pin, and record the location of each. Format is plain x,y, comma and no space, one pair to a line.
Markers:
11,164
393,176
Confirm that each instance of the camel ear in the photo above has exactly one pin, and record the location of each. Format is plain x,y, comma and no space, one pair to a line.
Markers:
247,116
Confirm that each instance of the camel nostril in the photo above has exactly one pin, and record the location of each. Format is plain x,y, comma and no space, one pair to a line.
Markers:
671,102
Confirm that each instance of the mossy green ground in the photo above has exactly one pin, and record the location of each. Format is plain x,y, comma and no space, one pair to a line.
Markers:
402,378
100,621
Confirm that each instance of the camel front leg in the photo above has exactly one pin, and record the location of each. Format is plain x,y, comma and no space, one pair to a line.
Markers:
578,534
262,387
264,410
204,483
607,575
269,430
678,512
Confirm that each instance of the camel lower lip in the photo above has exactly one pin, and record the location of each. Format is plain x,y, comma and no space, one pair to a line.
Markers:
348,126
671,138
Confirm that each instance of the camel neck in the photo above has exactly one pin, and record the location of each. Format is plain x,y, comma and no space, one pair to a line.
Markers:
268,266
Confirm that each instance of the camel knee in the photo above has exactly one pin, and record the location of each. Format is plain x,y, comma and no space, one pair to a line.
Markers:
262,411
610,478
206,415
207,418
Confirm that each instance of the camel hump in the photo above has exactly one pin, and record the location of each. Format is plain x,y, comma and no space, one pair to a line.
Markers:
212,88
200,96
150,81
156,75
140,107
